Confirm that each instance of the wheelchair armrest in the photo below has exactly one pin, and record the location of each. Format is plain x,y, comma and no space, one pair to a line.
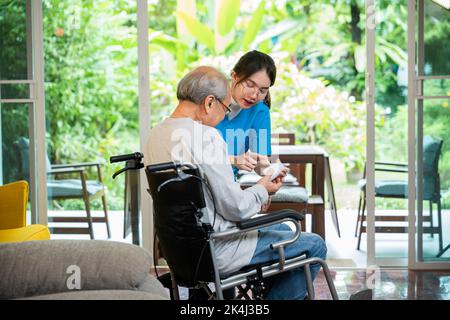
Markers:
270,217
263,221
266,220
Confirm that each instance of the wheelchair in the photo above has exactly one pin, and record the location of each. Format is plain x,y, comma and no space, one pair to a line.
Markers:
186,238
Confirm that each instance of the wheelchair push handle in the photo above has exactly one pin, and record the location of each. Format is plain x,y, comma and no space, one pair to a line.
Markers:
161,166
137,156
133,162
169,165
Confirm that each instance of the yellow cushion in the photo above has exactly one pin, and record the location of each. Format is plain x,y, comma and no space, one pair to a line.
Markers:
13,204
28,233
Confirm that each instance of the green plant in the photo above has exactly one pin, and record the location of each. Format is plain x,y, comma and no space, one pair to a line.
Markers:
319,114
90,84
91,72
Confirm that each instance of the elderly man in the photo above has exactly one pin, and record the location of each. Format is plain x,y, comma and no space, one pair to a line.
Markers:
189,135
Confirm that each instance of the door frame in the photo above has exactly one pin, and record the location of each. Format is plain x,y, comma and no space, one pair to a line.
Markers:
36,101
144,119
416,98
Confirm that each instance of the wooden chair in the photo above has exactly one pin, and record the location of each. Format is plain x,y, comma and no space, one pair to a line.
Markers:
76,187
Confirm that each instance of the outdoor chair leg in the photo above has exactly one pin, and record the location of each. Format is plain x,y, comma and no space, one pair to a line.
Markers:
358,216
443,251
89,217
431,219
361,223
440,224
106,216
86,204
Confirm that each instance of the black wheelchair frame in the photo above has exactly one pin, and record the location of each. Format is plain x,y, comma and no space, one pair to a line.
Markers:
186,237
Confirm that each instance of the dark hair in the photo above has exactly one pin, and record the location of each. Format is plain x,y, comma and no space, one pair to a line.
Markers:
252,62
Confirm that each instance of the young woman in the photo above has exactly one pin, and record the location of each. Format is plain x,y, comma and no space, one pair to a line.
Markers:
246,129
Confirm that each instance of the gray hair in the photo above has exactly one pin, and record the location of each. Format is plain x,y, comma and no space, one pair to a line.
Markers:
202,82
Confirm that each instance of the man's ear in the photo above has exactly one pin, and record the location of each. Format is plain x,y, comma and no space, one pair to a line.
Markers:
208,104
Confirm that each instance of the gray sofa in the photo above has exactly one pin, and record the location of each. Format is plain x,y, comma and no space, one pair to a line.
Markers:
77,269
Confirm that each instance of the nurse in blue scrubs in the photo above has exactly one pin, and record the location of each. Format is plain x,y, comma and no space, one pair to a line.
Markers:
246,129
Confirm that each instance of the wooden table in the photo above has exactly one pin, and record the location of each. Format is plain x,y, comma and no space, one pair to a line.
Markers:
304,154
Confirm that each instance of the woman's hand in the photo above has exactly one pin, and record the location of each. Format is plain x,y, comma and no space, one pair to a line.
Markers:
246,161
263,163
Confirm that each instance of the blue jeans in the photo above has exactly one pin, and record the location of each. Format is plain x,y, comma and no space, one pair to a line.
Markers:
289,285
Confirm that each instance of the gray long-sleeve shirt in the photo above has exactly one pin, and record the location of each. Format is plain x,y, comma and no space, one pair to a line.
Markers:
183,139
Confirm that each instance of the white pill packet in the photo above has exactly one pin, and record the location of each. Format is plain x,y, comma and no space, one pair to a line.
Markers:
276,167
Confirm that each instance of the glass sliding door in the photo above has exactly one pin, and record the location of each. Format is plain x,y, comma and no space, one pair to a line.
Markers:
93,109
22,128
407,153
429,104
387,143
91,85
391,143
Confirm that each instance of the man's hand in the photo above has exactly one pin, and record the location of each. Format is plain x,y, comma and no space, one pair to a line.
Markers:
246,161
271,186
282,173
266,206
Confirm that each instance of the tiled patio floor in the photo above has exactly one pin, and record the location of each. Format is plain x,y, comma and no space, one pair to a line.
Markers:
386,284
389,284
348,265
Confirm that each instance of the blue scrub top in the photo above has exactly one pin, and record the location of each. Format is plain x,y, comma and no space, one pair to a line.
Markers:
249,130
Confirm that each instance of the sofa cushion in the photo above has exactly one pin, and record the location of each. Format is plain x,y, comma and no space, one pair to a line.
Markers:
54,266
388,188
99,295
